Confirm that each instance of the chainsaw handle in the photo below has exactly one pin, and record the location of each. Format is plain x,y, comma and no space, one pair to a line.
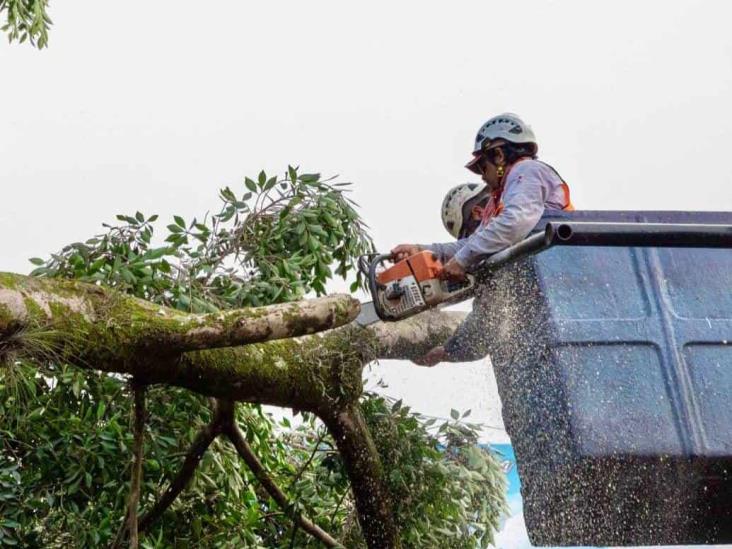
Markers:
377,260
366,261
374,260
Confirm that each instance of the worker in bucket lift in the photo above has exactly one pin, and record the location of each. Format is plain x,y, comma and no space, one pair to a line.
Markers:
486,219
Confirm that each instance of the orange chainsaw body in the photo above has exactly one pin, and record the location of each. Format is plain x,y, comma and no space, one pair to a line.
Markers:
414,284
422,266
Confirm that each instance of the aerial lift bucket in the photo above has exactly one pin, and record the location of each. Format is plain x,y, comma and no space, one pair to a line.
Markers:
612,350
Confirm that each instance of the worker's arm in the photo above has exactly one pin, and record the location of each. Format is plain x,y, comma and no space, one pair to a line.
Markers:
523,200
472,340
445,251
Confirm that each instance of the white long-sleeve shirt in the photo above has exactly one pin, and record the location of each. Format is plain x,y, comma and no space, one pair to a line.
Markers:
531,187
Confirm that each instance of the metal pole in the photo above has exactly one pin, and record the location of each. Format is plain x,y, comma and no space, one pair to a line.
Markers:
532,244
662,235
583,233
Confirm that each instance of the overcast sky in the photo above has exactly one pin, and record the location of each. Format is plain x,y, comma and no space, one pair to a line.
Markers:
156,105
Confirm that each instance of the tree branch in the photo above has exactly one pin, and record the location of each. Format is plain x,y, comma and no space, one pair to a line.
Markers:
363,464
130,525
258,324
200,444
415,336
144,326
93,328
245,452
304,467
338,507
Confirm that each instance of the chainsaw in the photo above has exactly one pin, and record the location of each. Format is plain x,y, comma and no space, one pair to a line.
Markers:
416,283
408,287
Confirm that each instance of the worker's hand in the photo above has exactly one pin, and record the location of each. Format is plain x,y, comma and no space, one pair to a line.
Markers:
403,251
453,270
434,356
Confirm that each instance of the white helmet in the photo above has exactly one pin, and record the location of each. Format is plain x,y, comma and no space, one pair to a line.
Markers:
508,127
452,205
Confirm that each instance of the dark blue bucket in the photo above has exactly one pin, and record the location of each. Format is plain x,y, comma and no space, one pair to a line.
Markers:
614,365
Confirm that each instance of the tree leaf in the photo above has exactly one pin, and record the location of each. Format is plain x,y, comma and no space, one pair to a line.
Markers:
101,408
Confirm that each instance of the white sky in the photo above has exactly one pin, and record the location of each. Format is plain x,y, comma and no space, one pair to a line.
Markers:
156,105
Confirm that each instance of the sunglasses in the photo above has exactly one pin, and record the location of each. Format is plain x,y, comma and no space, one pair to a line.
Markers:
478,164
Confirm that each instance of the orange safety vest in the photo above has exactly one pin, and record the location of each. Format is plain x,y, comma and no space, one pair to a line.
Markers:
495,204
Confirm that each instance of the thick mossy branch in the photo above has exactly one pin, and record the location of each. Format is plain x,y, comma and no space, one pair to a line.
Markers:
412,338
157,329
308,373
255,325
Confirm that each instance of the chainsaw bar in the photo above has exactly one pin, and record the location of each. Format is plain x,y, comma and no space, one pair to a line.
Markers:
368,315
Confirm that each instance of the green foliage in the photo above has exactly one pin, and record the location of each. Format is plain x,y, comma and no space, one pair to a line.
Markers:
275,241
65,437
447,491
64,466
26,20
